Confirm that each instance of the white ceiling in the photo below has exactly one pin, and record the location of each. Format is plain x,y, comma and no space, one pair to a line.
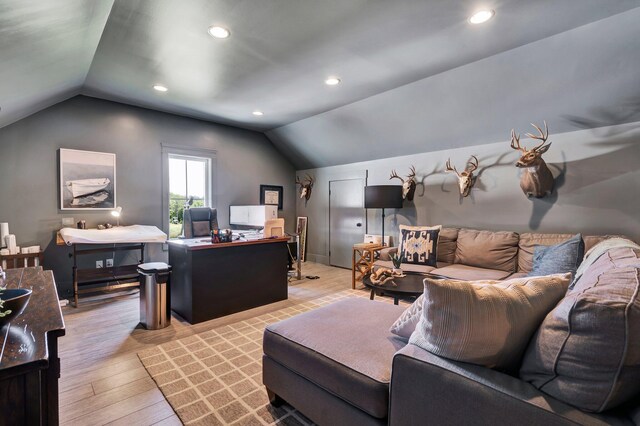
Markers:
278,55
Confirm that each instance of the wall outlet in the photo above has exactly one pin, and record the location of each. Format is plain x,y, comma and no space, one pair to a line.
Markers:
68,221
109,263
98,263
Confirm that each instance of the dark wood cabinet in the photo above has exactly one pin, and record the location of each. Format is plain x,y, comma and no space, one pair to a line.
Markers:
213,280
29,363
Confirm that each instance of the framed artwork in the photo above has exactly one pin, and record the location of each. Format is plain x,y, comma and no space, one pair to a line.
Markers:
271,195
87,180
301,229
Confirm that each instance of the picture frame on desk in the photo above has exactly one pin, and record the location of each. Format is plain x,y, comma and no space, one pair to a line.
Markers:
301,229
271,195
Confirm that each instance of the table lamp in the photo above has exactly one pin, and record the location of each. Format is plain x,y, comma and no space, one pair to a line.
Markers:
117,213
383,197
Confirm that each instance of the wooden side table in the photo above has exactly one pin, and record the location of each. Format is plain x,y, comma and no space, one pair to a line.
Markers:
364,255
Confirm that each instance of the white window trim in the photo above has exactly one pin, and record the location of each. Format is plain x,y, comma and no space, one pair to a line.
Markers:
186,152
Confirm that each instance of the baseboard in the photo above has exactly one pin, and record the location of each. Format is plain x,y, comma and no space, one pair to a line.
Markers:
318,258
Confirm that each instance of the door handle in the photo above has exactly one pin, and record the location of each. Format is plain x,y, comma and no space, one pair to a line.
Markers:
358,224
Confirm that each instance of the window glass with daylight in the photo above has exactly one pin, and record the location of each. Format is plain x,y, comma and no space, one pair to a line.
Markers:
189,178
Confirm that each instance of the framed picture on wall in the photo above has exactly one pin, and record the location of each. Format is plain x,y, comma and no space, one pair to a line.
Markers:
271,195
301,229
87,180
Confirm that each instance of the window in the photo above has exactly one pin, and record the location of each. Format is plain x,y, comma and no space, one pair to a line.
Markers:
187,179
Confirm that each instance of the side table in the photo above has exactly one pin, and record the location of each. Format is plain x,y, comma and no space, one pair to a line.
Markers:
364,255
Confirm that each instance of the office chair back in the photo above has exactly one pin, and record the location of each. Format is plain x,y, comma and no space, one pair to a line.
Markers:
200,221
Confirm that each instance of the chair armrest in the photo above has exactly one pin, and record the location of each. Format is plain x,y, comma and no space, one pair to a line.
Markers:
385,253
427,388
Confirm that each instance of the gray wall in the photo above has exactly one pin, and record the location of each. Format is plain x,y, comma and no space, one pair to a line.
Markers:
597,188
29,171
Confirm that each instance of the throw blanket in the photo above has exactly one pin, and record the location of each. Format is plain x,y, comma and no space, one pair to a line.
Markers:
600,249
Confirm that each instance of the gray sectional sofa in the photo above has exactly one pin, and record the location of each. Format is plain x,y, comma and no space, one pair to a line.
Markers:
340,365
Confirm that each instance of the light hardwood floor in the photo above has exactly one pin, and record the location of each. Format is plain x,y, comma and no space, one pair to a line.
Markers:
103,381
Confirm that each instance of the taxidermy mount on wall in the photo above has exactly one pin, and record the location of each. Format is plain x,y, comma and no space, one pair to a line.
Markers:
408,184
466,179
536,180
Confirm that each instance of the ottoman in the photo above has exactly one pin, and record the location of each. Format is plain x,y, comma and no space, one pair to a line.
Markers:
333,364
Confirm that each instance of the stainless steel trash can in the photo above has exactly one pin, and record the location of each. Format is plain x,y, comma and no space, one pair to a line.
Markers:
155,299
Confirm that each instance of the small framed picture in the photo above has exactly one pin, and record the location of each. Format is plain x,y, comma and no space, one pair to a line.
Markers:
301,228
271,195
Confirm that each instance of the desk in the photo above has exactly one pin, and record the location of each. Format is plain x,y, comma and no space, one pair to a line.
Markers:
213,280
364,255
29,363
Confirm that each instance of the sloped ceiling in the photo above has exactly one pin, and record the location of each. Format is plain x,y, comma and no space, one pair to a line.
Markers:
415,75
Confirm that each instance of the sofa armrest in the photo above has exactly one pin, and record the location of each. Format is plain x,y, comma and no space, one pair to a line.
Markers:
427,388
385,253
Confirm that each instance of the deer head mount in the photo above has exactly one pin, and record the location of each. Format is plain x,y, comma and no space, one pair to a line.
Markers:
408,184
305,186
466,179
536,180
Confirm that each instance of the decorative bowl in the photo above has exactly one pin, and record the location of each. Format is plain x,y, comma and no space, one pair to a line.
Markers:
14,300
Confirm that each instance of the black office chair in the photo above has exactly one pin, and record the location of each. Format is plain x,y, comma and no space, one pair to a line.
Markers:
199,222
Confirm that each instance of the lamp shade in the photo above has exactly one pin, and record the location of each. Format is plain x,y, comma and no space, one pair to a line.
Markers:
383,197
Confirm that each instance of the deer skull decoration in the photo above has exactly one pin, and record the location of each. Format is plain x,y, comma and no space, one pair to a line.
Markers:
408,184
305,187
466,179
537,180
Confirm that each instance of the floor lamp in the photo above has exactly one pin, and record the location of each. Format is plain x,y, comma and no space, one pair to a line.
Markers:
383,197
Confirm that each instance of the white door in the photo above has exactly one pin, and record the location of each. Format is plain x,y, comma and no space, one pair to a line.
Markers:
346,219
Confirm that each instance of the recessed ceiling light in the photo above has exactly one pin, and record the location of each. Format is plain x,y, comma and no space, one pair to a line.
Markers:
257,113
160,88
481,16
218,32
332,81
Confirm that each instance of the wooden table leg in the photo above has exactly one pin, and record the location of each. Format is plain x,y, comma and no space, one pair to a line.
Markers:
353,269
395,300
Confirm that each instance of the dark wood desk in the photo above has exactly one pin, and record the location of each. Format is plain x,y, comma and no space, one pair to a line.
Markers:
29,363
213,280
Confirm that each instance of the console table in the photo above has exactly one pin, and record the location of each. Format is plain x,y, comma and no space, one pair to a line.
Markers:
29,363
213,280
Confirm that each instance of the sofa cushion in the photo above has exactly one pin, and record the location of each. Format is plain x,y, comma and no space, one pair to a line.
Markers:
345,348
592,240
485,322
558,258
529,241
409,267
587,350
447,245
419,244
470,273
486,249
406,323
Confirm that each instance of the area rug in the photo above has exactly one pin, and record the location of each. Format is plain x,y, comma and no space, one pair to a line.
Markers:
215,377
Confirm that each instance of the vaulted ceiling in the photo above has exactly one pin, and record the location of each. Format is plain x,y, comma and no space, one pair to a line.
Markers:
409,68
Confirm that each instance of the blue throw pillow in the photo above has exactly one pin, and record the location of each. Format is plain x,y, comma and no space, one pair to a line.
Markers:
558,259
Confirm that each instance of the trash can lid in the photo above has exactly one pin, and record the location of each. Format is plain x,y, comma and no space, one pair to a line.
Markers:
152,267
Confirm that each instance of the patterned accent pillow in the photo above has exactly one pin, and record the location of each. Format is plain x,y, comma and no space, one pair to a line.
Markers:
418,245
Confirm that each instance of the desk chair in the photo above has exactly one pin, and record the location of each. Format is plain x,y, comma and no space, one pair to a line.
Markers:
200,221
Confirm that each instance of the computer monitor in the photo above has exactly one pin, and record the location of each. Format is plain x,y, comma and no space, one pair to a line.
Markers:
251,216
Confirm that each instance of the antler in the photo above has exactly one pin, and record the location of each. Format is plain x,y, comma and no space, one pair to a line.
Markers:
541,137
474,165
413,173
298,182
515,141
310,179
451,169
394,175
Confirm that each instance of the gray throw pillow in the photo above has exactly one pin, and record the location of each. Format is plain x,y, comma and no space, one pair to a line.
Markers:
558,259
587,351
485,322
406,323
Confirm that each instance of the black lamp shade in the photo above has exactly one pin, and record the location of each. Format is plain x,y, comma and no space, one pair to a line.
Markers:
383,197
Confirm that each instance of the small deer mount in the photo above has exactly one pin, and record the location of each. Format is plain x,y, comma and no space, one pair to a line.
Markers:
536,180
408,184
466,178
305,187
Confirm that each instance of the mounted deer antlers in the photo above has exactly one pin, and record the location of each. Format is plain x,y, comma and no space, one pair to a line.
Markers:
408,185
305,186
537,180
466,179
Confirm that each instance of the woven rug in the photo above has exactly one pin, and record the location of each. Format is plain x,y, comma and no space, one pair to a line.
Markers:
215,377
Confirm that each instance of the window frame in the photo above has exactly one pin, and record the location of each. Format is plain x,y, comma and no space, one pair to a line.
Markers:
187,153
